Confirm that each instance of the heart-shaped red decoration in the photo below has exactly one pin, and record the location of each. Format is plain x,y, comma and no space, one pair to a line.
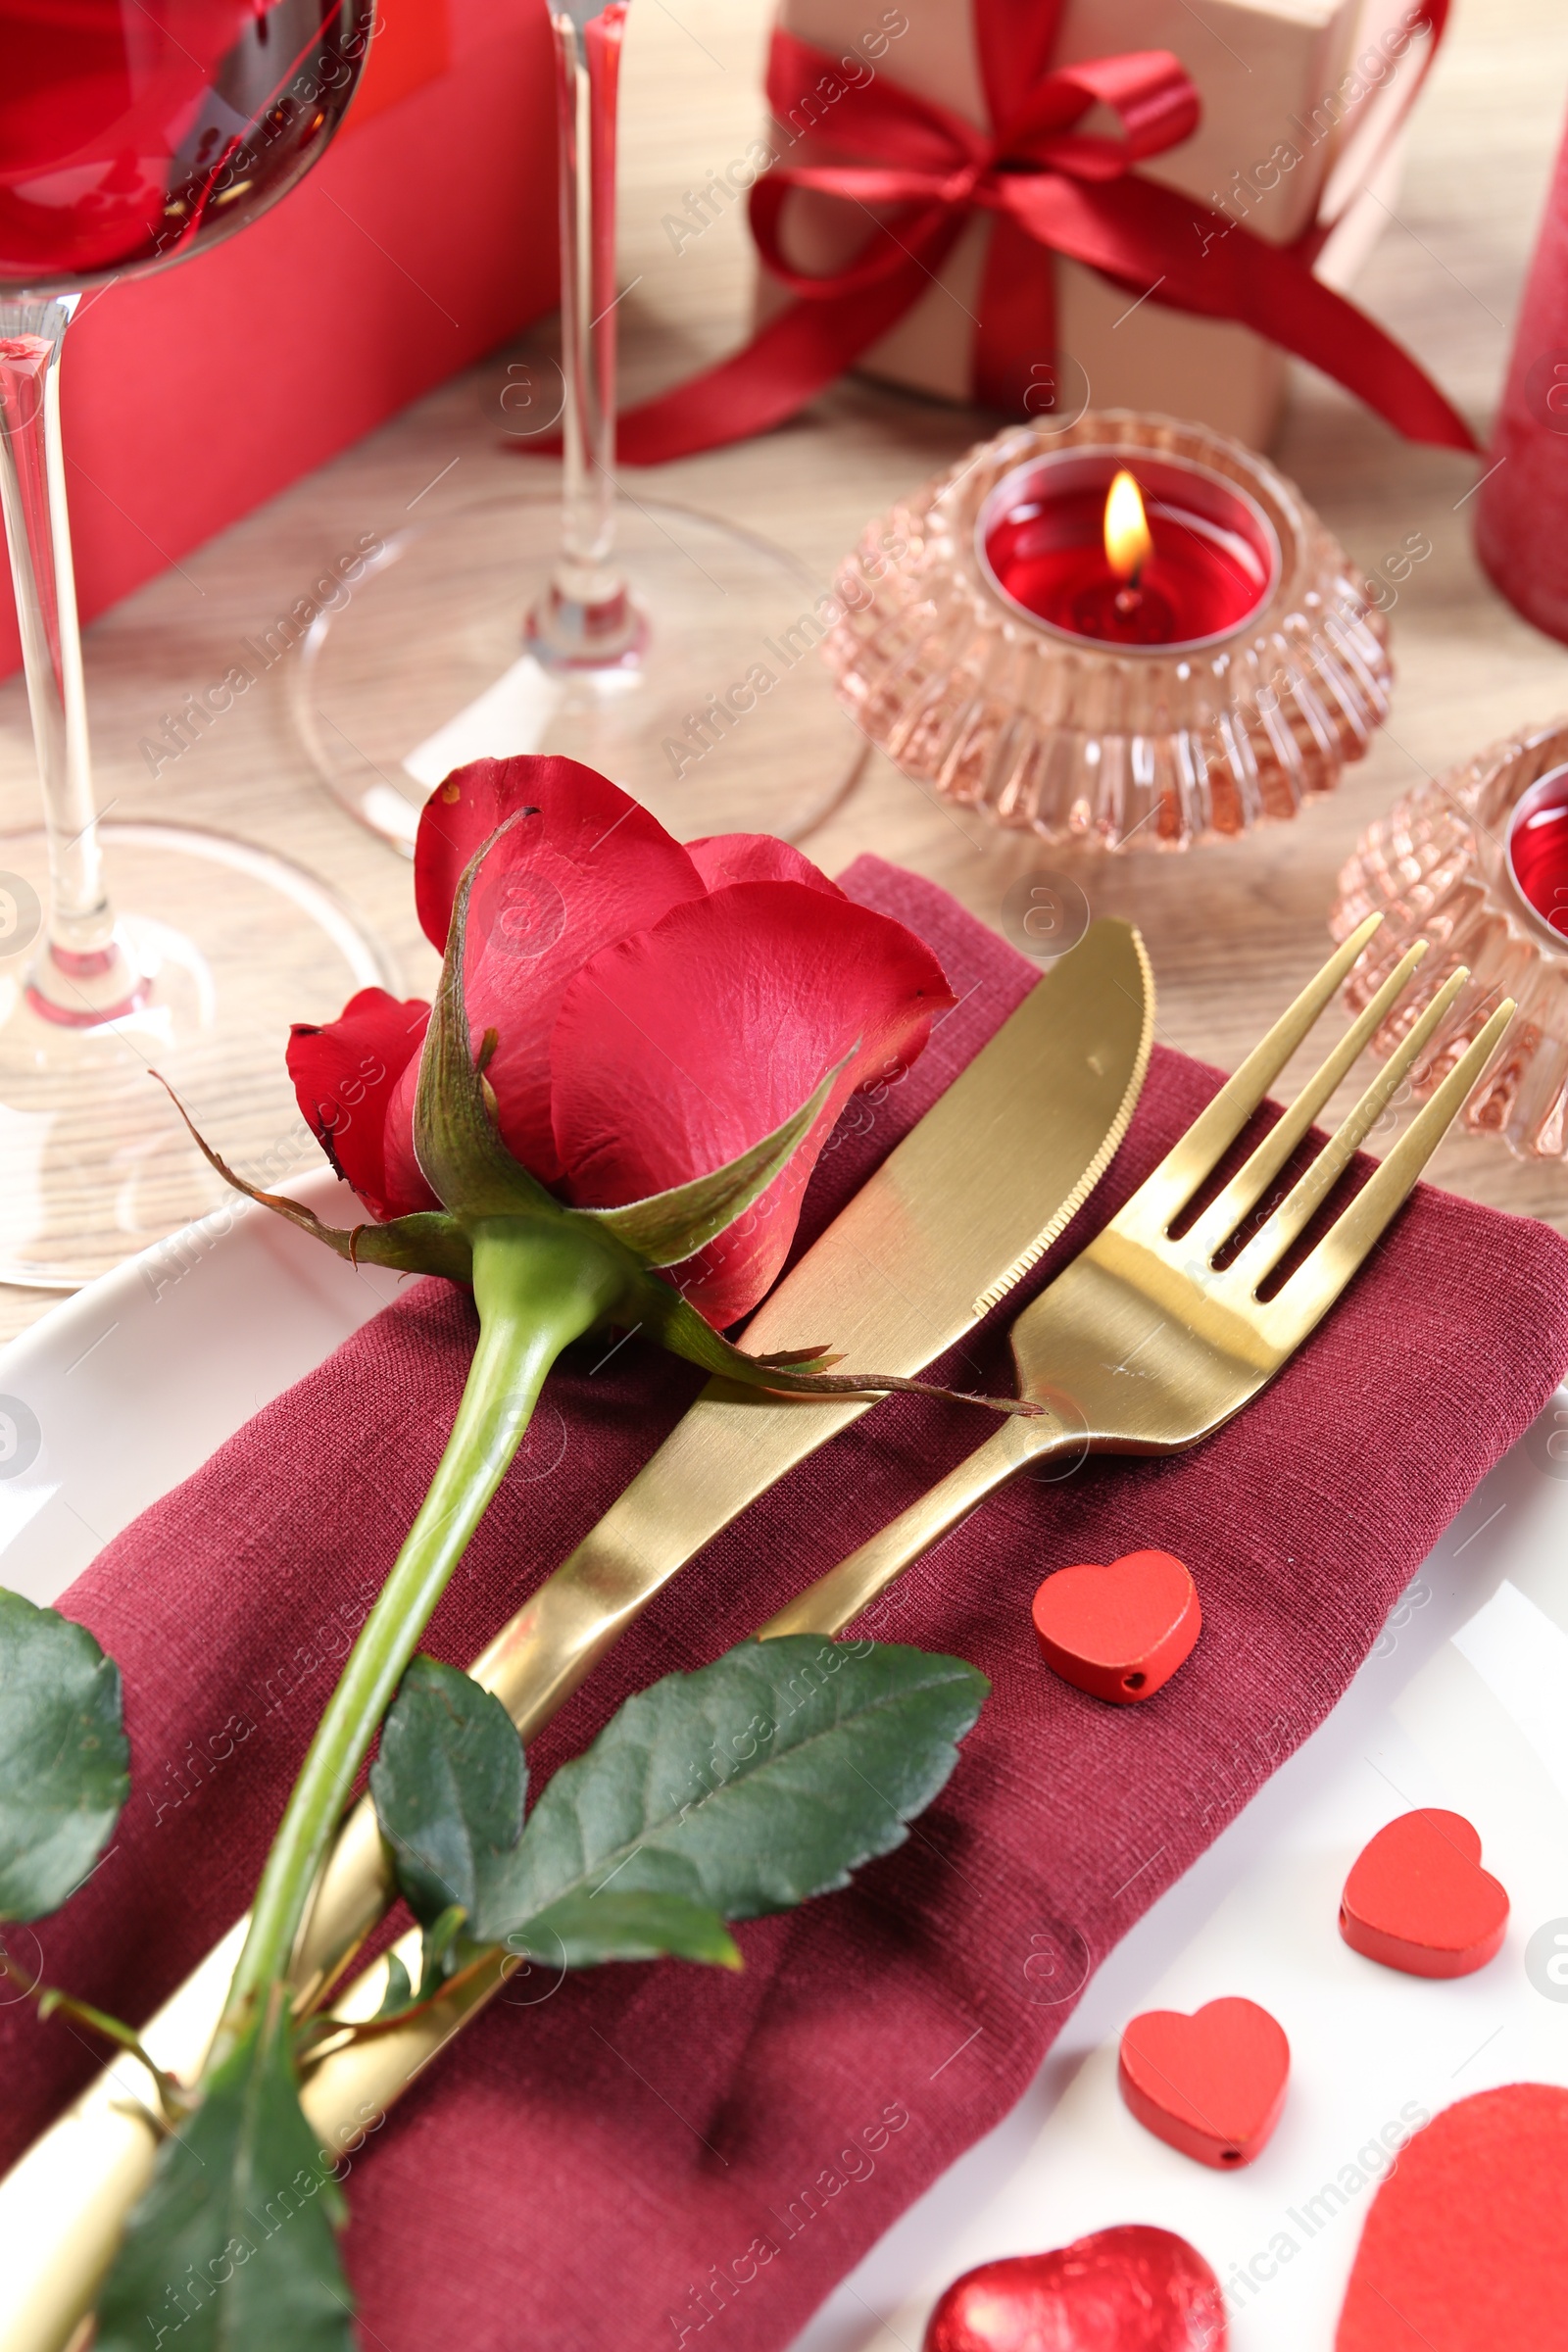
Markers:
1418,1898
1212,2084
1466,2246
1120,1632
1128,2290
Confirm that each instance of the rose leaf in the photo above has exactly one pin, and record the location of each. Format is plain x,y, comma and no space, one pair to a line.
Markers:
235,2242
748,1786
448,1787
64,1757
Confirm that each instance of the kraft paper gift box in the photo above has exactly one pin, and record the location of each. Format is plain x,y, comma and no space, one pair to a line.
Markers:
424,236
1319,80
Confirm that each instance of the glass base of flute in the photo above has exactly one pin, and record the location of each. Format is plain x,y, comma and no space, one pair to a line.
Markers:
220,944
693,679
673,652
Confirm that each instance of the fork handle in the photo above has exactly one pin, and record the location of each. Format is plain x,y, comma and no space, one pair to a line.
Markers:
837,1599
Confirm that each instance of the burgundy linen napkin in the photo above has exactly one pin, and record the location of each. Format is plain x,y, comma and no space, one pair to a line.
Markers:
658,2156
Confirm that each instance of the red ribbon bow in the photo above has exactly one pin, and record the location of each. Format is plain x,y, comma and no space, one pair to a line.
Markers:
939,168
1053,189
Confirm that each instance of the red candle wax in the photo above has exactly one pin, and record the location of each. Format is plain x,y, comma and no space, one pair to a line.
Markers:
1212,563
1538,849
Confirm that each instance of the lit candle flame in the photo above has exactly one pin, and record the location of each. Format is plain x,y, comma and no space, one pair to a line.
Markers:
1128,544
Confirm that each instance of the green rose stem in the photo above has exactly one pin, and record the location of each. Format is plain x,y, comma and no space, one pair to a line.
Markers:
537,1285
543,1274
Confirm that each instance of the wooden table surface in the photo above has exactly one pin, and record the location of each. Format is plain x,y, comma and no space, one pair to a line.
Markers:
1233,930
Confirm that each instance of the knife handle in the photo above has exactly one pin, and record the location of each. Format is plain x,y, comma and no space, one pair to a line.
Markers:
837,1599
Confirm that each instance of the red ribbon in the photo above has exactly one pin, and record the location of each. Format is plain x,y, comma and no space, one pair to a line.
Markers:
1052,189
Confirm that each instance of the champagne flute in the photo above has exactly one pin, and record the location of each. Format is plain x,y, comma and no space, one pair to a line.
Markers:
667,648
133,134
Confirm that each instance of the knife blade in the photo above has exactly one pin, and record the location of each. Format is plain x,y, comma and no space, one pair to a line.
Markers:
960,1210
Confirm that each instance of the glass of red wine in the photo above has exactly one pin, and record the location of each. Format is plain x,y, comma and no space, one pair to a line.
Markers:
133,134
671,649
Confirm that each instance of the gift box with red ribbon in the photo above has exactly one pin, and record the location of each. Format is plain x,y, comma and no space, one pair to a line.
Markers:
424,237
1280,117
1043,205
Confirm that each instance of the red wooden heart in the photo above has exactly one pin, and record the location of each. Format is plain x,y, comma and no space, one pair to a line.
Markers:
1417,1898
1119,1632
1465,2248
1212,2084
1128,2290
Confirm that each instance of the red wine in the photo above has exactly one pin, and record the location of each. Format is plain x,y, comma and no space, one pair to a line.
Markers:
135,132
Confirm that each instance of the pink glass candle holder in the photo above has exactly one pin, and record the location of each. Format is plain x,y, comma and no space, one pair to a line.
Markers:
1001,656
1477,862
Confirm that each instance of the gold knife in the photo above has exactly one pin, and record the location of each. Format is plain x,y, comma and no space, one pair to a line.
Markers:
955,1215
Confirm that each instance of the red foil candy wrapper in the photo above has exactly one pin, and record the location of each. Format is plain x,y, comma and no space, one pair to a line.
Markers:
1128,2289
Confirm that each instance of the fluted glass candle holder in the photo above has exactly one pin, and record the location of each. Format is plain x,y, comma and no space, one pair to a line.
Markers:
1045,728
1449,863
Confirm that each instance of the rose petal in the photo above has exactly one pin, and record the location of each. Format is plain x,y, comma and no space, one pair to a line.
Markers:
582,813
723,858
677,1049
355,1084
591,868
405,1180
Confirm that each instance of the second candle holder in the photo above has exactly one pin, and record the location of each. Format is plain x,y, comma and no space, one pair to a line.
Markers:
1018,650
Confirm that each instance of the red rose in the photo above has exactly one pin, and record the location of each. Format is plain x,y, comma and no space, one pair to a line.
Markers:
658,1009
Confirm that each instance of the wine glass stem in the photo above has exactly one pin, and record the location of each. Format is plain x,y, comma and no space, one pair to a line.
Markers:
80,977
590,616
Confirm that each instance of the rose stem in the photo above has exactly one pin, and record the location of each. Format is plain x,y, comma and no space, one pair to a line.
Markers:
536,1287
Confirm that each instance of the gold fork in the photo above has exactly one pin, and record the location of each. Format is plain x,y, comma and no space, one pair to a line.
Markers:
1154,1343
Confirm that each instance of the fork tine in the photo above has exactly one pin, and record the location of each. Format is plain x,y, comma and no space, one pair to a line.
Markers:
1195,1155
1250,1182
1271,1241
1362,1220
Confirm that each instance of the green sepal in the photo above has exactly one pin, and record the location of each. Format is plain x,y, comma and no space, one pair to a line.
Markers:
428,1241
456,1141
668,1319
667,1227
65,1761
235,2242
